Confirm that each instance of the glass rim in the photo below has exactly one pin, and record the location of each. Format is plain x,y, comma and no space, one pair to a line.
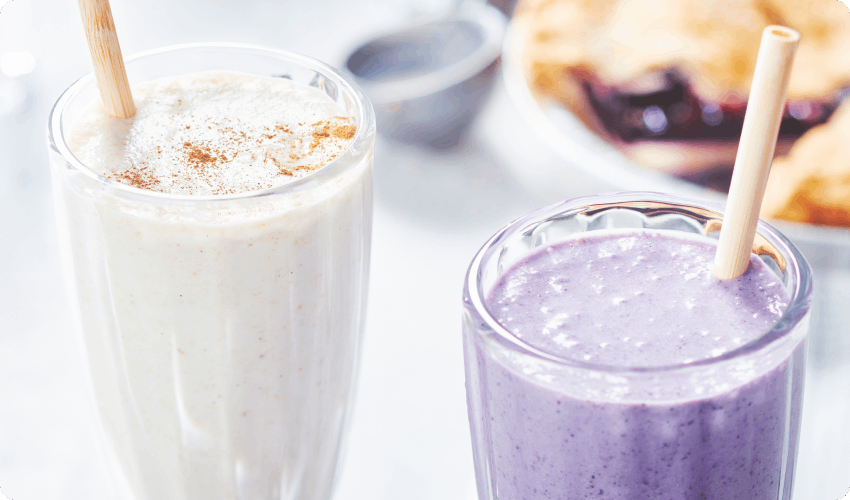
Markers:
798,307
366,129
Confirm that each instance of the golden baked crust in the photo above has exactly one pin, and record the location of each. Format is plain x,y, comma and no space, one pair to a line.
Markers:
713,43
812,183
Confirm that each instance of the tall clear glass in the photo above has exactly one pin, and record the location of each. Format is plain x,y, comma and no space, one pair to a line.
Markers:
222,333
547,427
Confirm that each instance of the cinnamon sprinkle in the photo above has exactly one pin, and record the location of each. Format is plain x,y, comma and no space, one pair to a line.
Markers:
140,178
205,162
196,146
200,156
344,131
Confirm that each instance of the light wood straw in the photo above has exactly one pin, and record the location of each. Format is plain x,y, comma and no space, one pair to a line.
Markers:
106,58
755,151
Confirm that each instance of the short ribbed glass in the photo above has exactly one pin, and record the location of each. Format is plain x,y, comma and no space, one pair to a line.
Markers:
545,427
222,333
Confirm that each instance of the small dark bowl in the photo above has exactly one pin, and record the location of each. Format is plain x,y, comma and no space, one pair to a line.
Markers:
427,81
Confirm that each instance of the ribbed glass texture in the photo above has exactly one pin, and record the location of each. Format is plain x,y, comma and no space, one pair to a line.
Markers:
222,333
545,427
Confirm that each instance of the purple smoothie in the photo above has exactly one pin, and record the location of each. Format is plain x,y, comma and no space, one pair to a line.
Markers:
641,300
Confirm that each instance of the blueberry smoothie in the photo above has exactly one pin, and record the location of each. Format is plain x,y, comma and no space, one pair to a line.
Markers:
652,402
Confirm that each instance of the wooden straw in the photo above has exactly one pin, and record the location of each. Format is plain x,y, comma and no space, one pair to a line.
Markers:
106,58
755,151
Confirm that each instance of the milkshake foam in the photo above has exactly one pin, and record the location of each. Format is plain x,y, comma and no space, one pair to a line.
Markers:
222,336
214,133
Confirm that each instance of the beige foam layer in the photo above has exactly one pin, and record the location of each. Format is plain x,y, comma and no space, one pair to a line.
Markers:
214,133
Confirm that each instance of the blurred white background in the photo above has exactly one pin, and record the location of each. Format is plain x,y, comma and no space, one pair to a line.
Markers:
409,437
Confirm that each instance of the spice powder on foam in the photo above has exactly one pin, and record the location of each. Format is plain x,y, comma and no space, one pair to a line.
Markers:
202,161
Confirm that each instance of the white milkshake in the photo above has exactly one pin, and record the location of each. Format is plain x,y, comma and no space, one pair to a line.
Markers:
214,133
222,329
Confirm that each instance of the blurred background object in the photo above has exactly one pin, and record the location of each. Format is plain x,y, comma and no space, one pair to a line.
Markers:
669,90
427,81
506,6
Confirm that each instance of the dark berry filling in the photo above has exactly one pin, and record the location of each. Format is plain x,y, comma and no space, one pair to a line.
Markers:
674,112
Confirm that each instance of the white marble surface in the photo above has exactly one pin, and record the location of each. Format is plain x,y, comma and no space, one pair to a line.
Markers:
409,437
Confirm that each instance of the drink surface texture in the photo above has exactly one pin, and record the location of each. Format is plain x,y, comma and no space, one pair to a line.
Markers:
214,133
222,335
633,300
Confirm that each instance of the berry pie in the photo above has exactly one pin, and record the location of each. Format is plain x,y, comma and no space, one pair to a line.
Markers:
666,81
